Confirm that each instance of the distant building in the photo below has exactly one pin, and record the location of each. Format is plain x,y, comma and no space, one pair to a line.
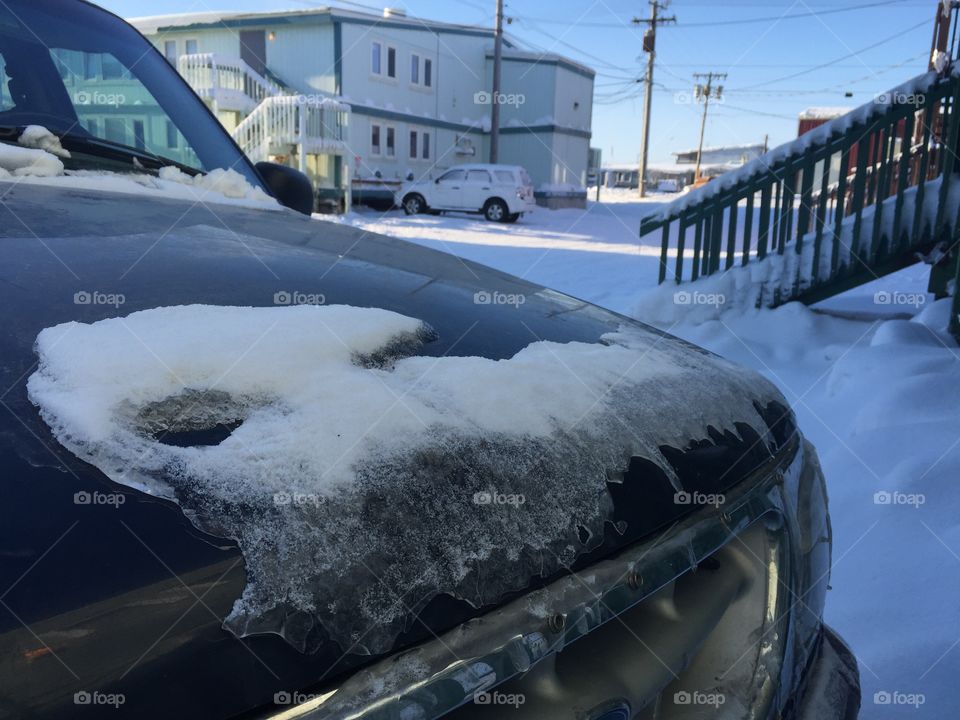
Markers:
379,97
817,116
674,177
727,155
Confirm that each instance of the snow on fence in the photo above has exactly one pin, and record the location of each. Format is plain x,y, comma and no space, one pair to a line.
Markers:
849,201
286,123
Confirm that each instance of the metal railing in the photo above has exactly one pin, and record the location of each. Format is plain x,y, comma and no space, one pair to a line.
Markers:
847,202
229,83
303,124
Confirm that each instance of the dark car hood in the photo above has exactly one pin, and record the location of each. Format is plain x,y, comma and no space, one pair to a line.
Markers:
136,591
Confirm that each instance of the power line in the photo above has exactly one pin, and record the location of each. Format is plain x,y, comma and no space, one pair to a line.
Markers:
744,21
814,68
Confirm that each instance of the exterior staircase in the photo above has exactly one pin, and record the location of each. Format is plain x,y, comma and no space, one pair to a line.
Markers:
850,201
274,122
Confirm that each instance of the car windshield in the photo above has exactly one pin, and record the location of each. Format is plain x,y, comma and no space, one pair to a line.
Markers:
90,78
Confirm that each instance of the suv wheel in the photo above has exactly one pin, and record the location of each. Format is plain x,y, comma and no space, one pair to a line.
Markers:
414,204
496,211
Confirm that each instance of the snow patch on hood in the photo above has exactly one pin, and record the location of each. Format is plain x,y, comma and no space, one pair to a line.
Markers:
22,161
225,187
358,471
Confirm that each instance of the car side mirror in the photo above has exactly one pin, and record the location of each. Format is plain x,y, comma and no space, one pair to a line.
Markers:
437,181
289,186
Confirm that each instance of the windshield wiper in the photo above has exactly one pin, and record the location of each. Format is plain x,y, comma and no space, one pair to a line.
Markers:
119,152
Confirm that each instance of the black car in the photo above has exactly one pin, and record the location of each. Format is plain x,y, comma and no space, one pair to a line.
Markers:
663,552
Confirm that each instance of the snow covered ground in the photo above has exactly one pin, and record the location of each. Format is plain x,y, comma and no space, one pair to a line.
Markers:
875,385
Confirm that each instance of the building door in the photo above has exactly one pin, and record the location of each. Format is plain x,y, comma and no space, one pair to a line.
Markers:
253,49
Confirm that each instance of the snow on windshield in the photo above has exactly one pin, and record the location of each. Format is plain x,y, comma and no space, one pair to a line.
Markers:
36,160
353,471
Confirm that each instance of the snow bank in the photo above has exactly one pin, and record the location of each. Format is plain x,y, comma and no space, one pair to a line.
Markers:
23,161
356,465
37,136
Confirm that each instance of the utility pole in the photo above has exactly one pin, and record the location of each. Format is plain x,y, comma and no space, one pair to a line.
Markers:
704,91
649,47
495,97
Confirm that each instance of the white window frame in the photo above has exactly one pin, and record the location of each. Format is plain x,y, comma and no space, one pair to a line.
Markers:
386,62
421,61
415,67
171,58
420,134
186,46
380,58
387,129
376,150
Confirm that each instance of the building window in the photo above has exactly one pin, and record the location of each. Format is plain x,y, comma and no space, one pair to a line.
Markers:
172,141
170,51
139,139
391,62
391,142
190,46
115,130
421,71
375,140
419,145
375,52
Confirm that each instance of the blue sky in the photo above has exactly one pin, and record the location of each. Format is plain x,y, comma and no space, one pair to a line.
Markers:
781,56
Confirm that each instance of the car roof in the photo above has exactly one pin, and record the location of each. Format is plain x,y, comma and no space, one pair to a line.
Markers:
485,166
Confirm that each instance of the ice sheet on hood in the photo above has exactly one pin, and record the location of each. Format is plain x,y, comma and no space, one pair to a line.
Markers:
362,479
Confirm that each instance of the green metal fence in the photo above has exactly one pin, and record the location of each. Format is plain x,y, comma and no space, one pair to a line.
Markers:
854,199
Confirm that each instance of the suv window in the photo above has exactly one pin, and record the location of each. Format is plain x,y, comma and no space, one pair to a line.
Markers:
478,176
452,176
504,176
90,78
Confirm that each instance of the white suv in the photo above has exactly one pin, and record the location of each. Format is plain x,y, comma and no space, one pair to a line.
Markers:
503,193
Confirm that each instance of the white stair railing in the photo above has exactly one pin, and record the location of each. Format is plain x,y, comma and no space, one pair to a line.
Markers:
283,124
229,83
